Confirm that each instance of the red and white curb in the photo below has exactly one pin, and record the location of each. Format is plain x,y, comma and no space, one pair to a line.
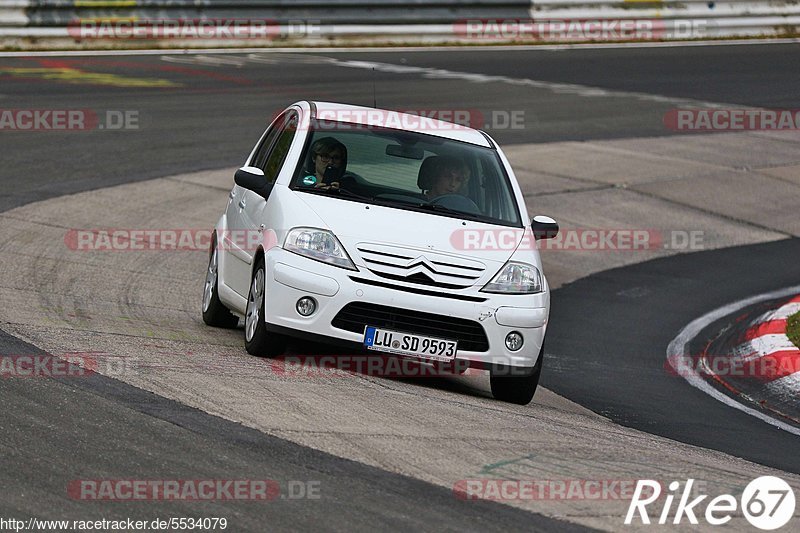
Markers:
769,341
764,340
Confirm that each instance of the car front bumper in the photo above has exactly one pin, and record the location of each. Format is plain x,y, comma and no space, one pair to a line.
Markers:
291,277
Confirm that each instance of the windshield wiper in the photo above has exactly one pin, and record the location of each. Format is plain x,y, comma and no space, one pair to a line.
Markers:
440,208
444,209
338,191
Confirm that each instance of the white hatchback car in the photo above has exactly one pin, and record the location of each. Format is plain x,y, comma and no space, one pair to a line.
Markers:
386,232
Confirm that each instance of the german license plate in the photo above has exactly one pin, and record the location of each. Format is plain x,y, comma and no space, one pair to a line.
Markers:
384,340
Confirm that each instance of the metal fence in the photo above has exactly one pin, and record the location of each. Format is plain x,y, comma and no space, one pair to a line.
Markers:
314,22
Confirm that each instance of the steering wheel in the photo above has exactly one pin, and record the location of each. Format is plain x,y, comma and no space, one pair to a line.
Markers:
457,202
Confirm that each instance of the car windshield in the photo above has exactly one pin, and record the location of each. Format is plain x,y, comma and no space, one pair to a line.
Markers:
406,170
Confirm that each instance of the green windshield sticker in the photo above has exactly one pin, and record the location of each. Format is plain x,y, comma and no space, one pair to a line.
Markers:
309,180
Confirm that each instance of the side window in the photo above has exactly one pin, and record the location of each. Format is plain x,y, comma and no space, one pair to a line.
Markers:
271,154
280,148
263,150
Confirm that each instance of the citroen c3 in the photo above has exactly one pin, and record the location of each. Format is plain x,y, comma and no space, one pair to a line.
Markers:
388,232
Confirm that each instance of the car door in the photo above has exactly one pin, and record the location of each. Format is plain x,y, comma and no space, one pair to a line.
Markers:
253,217
237,257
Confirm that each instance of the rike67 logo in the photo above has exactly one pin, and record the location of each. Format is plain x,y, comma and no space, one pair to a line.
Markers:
767,502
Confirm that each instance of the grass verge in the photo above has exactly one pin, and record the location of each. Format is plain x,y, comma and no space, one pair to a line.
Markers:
793,328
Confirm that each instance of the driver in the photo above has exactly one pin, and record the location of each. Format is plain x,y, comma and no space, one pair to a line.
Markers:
441,175
328,163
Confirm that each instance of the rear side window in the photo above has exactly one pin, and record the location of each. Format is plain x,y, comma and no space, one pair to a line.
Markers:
272,152
280,148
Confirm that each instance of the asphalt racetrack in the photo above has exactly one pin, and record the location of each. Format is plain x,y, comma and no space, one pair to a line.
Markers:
592,149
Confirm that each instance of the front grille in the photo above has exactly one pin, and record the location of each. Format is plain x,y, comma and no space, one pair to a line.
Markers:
420,278
414,290
423,267
356,316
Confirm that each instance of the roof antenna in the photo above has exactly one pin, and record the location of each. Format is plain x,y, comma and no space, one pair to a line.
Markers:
374,97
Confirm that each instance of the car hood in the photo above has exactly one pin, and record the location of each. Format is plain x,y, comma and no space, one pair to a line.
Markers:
356,223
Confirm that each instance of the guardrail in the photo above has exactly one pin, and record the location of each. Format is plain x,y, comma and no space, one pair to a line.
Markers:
322,22
13,13
60,12
691,9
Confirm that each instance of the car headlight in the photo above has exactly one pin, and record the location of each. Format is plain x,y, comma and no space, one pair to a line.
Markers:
318,244
516,278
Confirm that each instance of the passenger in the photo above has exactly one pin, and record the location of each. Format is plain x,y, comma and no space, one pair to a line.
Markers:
442,175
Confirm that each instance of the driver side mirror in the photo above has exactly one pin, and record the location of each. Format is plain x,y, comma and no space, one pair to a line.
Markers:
544,227
253,179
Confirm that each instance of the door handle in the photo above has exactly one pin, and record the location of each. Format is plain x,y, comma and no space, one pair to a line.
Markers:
241,203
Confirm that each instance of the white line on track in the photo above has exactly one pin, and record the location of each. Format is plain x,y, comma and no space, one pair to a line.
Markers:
677,350
263,55
555,87
543,47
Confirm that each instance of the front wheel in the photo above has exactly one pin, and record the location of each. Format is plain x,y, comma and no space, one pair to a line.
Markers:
515,384
257,340
214,311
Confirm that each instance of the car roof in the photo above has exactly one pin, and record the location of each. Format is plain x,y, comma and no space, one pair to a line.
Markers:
371,116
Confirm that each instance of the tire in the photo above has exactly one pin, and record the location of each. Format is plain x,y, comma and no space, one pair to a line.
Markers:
509,386
257,340
214,311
